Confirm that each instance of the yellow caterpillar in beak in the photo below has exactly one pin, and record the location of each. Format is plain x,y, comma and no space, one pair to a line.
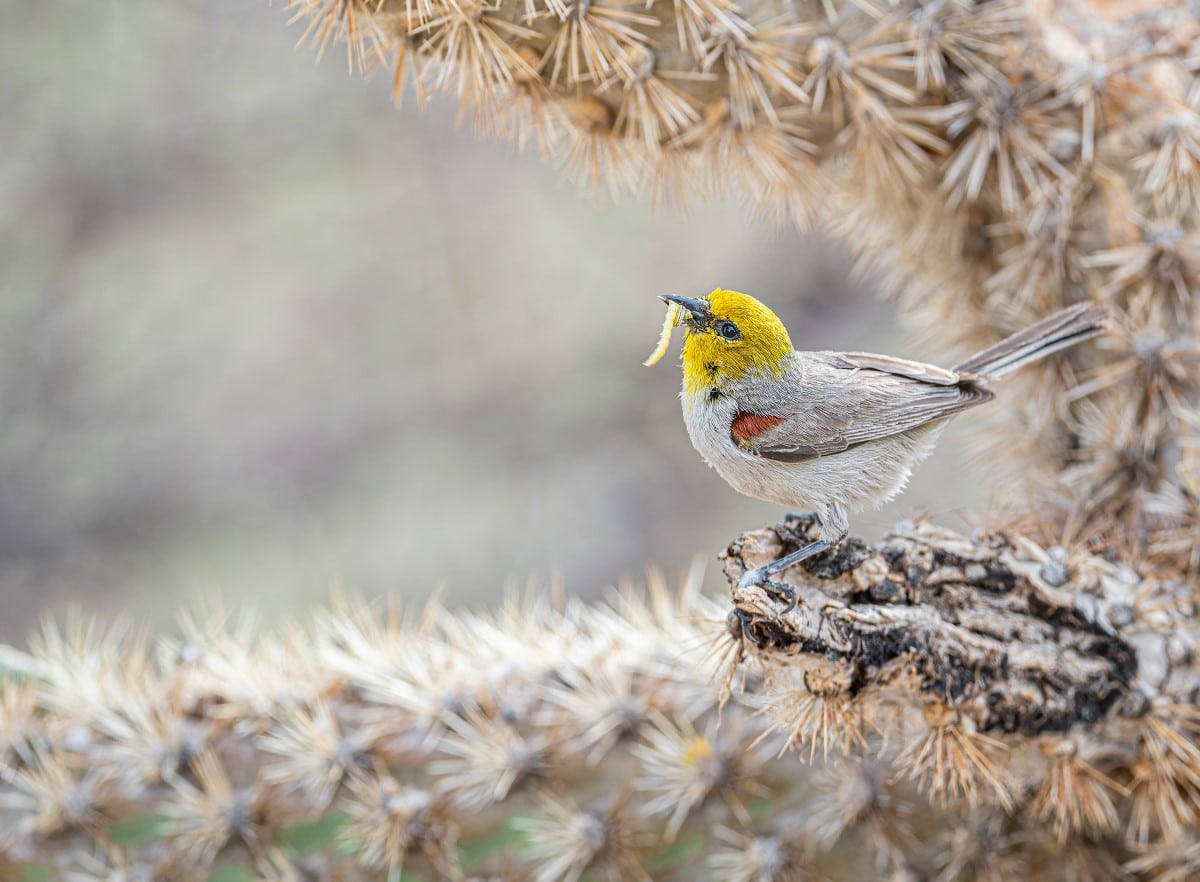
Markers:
673,320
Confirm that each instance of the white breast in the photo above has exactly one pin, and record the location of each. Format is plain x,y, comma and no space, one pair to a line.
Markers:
708,422
863,477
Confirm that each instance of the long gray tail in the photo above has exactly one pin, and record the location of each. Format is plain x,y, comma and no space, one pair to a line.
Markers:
1065,328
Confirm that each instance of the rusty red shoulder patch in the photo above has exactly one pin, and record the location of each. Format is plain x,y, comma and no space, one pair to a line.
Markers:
747,426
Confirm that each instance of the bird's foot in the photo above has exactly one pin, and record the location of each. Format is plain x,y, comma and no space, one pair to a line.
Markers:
752,578
760,576
745,619
781,592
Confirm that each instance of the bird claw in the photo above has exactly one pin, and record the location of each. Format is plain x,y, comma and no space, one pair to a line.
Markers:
780,591
745,618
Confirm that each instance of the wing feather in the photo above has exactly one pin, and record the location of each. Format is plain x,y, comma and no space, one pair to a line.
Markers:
833,402
900,367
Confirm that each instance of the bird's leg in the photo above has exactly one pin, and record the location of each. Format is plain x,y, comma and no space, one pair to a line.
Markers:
834,522
781,591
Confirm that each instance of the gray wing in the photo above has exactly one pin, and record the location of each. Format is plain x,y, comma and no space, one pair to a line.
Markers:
899,367
833,401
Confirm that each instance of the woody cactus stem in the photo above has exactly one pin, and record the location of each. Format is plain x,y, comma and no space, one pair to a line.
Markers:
935,707
993,161
1051,684
953,619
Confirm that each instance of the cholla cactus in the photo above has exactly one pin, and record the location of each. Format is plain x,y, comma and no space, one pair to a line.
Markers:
936,706
1019,703
991,160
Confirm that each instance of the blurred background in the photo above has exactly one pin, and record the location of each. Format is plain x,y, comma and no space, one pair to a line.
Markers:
262,335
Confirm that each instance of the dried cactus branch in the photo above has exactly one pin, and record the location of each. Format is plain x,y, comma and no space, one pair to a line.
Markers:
968,623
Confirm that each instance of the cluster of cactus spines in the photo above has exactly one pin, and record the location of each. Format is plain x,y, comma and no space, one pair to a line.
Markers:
936,707
990,160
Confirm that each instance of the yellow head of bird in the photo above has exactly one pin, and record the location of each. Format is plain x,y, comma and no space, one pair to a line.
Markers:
729,336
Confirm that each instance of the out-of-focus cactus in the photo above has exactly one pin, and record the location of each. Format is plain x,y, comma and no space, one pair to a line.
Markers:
937,706
1020,703
991,161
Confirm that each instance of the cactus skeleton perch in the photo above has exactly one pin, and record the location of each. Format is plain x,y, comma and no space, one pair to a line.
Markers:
966,624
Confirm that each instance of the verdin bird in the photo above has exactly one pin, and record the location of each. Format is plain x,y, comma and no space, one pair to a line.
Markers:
828,432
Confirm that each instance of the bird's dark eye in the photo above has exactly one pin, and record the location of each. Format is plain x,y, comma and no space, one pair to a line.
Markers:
729,331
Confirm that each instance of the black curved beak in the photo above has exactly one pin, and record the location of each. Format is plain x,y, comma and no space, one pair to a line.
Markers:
697,309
